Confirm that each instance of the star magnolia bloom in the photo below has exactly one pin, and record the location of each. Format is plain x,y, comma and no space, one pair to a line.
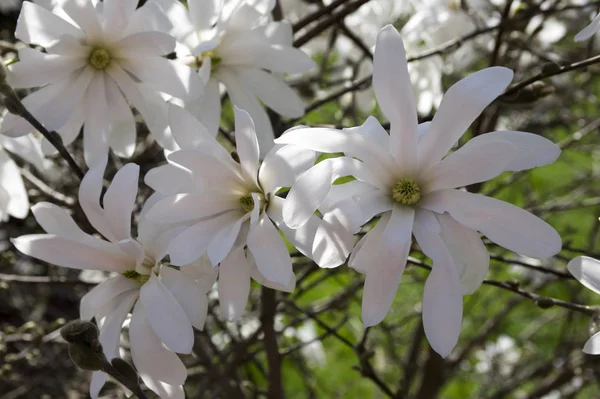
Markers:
235,43
587,271
589,30
95,59
166,302
229,205
406,181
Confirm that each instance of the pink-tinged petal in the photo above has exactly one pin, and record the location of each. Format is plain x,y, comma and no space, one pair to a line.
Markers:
589,30
592,346
283,165
152,360
442,296
271,91
234,284
37,25
119,200
97,122
246,144
224,240
507,225
167,318
470,255
72,254
101,295
388,263
475,162
269,251
189,295
313,187
193,242
349,142
84,14
587,271
395,97
39,69
187,207
532,151
461,105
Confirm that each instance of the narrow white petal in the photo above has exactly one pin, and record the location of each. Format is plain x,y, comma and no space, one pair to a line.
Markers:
269,251
119,200
56,220
11,183
99,296
110,332
461,105
145,44
394,93
96,127
165,315
187,207
85,16
122,129
98,381
89,200
587,271
246,144
505,224
283,165
39,69
234,284
592,346
189,295
37,25
223,241
589,30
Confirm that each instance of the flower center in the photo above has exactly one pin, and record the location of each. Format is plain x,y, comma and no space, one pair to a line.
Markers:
247,203
406,192
454,5
99,58
135,276
197,60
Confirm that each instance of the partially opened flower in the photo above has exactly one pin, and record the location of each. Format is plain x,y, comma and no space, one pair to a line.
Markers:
233,212
414,188
587,271
166,302
589,30
98,57
235,43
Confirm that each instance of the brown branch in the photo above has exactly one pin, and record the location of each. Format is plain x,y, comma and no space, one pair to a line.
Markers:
268,307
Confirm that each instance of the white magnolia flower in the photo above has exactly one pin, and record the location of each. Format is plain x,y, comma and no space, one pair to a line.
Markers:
587,271
229,205
97,59
236,44
13,196
410,183
589,30
166,302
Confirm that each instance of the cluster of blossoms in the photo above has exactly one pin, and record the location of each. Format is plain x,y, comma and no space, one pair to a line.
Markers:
218,216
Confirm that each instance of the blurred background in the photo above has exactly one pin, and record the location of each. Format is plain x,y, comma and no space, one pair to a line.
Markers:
522,331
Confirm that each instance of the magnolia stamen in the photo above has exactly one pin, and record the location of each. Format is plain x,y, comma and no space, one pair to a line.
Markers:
247,203
406,192
99,58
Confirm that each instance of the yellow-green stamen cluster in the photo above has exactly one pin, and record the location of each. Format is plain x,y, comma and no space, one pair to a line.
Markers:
247,203
406,192
99,58
133,275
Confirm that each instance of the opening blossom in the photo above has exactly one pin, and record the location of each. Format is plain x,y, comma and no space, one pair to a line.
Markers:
414,188
98,57
589,30
166,302
229,206
587,271
235,43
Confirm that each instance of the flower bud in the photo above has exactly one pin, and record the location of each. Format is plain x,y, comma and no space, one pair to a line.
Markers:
84,332
84,357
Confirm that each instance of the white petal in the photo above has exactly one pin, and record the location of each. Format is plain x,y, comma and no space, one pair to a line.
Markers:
96,127
269,251
39,69
89,200
203,272
283,165
223,241
194,241
394,93
475,162
119,200
145,44
210,172
589,30
168,179
189,295
587,271
117,14
28,148
122,122
372,130
442,296
99,296
203,13
150,357
208,108
592,346
234,284
246,144
507,225
533,150
165,315
37,25
110,332
72,254
12,184
470,255
388,263
461,105
98,381
368,246
56,220
188,207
